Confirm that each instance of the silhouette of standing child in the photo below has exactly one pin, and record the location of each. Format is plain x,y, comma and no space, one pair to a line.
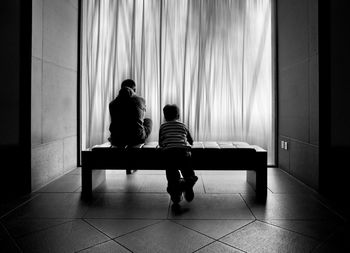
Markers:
175,141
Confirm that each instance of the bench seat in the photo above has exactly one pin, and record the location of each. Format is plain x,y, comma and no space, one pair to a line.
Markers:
205,156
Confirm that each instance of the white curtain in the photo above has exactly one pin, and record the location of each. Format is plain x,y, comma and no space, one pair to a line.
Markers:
213,58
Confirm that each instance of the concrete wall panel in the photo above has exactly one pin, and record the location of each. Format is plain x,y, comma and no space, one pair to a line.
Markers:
36,121
54,102
293,33
60,33
47,163
293,102
70,153
298,88
59,102
283,154
313,27
314,100
74,3
37,28
304,163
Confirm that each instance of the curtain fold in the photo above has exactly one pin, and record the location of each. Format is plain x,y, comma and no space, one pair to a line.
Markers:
210,57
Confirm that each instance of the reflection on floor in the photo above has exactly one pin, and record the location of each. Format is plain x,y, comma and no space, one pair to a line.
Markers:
131,213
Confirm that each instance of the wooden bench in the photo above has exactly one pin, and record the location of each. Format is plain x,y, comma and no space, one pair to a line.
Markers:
205,156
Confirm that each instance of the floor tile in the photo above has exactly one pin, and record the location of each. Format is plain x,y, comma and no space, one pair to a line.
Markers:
164,237
51,205
150,172
153,183
8,246
7,206
107,247
67,183
6,243
76,171
117,227
214,228
226,184
289,206
218,247
235,173
158,183
129,205
284,183
120,183
337,242
3,232
214,206
262,237
317,229
21,227
67,237
135,211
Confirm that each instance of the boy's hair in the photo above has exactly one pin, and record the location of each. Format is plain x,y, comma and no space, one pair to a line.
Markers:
171,112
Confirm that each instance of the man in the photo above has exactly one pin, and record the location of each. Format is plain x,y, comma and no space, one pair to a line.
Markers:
128,126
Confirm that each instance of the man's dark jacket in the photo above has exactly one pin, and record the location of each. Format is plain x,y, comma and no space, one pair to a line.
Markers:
127,112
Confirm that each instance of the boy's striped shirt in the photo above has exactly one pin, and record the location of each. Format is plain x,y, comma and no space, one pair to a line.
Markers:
174,134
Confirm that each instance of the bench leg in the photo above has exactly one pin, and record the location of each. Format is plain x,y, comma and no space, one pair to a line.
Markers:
258,180
86,181
261,184
90,179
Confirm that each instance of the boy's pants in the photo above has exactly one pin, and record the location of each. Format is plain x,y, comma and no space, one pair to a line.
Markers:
178,160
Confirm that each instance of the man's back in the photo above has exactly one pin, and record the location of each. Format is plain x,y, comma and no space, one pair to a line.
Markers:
127,115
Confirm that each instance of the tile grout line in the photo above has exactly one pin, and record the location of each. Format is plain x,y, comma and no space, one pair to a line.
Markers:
43,229
324,242
215,240
20,205
251,222
11,237
139,229
113,238
100,243
247,206
289,230
110,239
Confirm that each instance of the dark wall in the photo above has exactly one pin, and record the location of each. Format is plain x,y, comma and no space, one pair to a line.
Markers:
9,67
298,93
334,95
15,68
339,74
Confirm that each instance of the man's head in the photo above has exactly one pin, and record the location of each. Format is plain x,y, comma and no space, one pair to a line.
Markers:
130,84
171,112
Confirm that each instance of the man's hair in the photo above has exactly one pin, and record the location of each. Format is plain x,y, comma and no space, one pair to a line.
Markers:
129,83
126,92
171,112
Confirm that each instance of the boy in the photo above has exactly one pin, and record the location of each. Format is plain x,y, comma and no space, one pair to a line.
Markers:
175,141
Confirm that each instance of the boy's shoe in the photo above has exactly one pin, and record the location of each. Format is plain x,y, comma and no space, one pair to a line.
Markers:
129,172
176,198
189,194
175,194
176,208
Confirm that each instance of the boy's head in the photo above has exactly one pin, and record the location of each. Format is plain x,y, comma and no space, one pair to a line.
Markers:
171,112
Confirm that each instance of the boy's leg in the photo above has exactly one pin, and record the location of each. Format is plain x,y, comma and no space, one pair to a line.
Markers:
174,185
189,177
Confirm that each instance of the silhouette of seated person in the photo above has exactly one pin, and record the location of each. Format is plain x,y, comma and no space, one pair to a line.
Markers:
128,127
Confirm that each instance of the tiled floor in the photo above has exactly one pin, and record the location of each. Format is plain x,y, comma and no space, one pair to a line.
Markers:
131,213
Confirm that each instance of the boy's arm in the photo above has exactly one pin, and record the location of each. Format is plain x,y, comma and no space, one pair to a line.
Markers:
189,138
160,143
